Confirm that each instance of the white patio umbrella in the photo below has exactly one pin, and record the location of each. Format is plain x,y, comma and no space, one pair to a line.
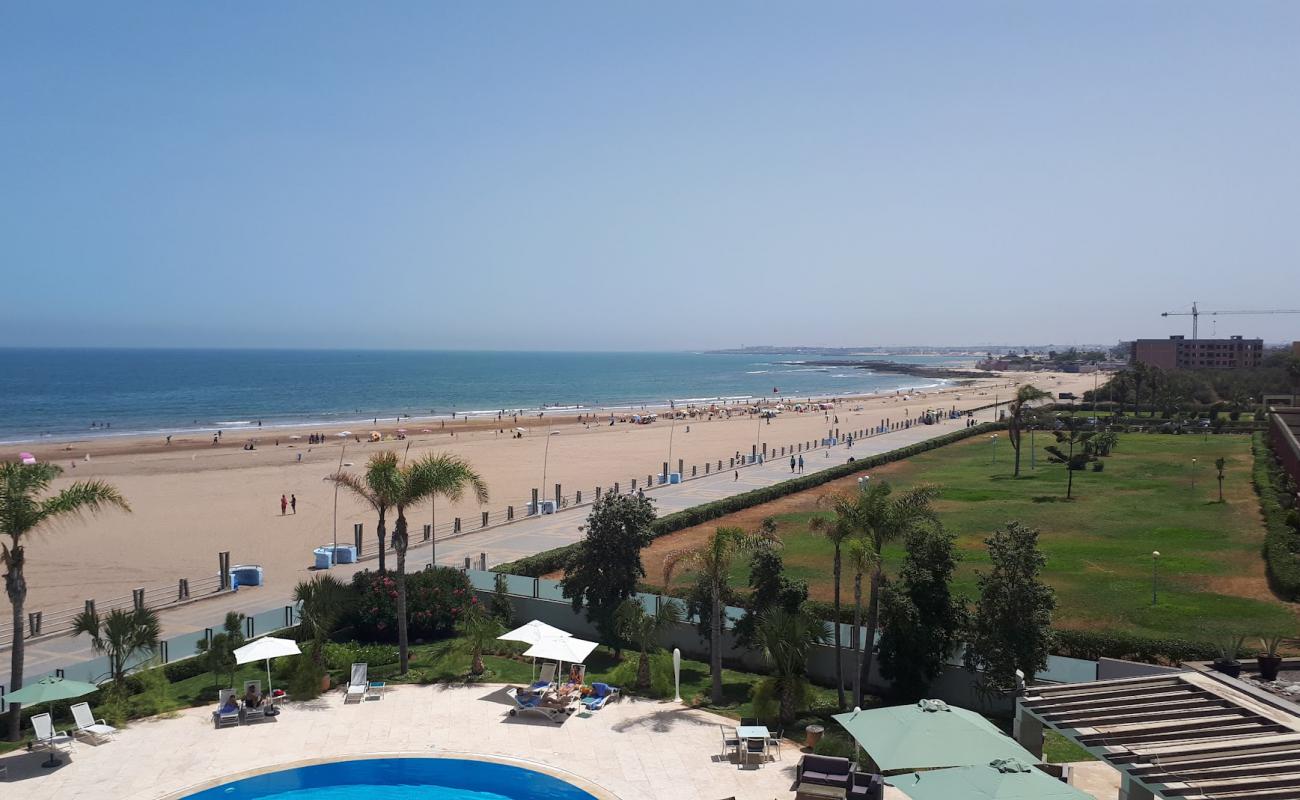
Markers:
562,649
532,633
265,649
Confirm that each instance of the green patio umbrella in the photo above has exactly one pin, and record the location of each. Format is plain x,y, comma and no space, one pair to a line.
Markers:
1008,779
47,690
929,735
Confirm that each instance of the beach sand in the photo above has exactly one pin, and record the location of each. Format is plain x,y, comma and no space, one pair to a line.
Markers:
191,500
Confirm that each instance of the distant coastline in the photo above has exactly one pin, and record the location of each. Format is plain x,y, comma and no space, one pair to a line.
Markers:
898,368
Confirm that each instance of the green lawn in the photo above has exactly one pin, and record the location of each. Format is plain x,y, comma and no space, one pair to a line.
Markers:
1149,497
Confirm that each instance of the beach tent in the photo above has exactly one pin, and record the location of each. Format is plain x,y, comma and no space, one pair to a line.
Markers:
48,690
1005,779
265,649
929,734
27,458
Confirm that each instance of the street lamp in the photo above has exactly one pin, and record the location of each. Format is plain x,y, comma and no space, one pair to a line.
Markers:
993,440
1193,473
546,455
1155,560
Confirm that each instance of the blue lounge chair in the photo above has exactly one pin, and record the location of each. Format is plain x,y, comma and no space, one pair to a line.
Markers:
535,702
600,695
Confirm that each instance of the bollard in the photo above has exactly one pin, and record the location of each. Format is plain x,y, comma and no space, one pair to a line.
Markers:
162,650
650,480
90,608
428,531
753,450
356,536
33,624
706,468
510,513
693,469
578,497
597,494
223,570
467,566
485,520
681,464
719,465
557,497
455,526
482,562
183,590
137,599
615,487
248,627
732,463
665,472
535,508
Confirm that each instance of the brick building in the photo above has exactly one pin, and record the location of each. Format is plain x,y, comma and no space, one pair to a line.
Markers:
1177,352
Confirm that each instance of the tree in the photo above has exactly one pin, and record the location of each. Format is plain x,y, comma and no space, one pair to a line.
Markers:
1072,433
862,558
1015,420
786,638
605,567
437,475
1104,442
23,513
322,602
1011,628
218,653
479,629
121,635
884,519
837,529
1219,464
644,629
769,589
713,559
921,619
502,609
377,488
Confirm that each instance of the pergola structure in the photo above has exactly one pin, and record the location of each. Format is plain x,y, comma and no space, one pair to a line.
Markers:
1191,734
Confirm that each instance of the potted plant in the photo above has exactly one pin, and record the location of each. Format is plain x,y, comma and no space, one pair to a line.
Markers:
1269,660
1229,649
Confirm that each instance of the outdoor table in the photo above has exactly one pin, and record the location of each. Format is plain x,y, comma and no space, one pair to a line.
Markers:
752,732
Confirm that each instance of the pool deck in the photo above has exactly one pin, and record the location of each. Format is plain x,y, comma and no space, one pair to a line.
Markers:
630,750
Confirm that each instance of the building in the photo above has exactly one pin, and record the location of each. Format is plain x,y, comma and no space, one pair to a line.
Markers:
1177,352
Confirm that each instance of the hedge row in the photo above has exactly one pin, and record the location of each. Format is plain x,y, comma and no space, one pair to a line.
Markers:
1090,646
551,560
1281,540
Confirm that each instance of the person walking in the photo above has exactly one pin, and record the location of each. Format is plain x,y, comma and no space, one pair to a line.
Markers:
792,465
293,502
800,465
284,504
737,476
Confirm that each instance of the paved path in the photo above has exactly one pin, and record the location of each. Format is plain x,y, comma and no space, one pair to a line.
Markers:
503,543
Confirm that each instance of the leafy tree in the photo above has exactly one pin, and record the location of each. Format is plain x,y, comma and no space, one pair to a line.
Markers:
1011,628
770,589
838,529
885,518
1071,434
605,567
479,629
218,653
121,635
1019,406
1219,464
322,602
786,638
376,487
437,475
24,513
644,629
714,559
922,620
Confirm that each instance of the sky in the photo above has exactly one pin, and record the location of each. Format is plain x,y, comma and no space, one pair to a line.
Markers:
644,176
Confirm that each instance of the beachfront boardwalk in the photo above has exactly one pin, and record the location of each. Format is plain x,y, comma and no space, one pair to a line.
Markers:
503,543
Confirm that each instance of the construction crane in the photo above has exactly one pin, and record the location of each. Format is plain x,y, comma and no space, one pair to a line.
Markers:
1196,313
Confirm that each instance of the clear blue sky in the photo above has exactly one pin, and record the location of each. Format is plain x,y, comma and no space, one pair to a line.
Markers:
644,176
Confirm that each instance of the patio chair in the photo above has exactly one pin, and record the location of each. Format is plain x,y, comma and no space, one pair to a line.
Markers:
358,683
748,722
535,702
47,737
866,786
774,740
600,695
95,729
755,747
219,717
729,741
817,770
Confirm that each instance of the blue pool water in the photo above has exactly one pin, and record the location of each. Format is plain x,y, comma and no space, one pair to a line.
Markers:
399,779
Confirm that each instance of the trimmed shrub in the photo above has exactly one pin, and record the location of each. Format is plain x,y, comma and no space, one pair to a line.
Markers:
1091,645
434,598
341,656
1281,540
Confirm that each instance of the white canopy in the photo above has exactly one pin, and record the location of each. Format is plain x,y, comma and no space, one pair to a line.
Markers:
266,648
533,632
562,648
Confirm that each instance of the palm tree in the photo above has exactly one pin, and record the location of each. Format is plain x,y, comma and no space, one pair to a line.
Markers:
23,513
438,475
885,519
218,652
786,639
714,559
862,558
1019,405
837,529
479,628
321,602
377,488
121,635
642,628
1219,464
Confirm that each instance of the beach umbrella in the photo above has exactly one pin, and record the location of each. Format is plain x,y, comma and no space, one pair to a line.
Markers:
295,437
929,734
47,690
344,434
563,649
265,649
1006,779
27,458
532,633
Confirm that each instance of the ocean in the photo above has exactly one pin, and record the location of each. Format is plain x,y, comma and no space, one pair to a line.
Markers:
59,394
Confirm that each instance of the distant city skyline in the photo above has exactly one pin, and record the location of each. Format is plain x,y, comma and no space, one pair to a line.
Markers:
669,176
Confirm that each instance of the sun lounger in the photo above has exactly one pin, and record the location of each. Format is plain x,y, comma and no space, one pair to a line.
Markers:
545,680
221,718
535,702
358,683
258,711
47,737
95,729
600,695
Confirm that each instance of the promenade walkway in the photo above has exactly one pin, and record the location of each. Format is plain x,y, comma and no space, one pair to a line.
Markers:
523,537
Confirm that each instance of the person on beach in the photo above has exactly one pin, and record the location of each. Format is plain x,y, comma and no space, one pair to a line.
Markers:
792,465
293,502
800,465
737,475
284,504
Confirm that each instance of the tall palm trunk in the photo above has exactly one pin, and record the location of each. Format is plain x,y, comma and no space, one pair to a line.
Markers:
643,670
1013,433
382,533
855,636
789,707
399,545
869,644
16,588
715,649
839,655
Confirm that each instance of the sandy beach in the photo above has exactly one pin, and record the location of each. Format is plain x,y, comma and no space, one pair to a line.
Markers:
191,500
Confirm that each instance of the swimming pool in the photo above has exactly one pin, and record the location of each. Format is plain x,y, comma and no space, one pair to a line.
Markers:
399,779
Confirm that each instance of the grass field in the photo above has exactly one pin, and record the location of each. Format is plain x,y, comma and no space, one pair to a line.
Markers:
1150,496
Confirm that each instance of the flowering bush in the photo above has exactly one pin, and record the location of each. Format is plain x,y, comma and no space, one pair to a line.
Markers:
434,600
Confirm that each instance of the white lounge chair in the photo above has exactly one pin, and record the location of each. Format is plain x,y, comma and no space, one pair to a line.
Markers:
358,683
48,738
94,729
258,711
219,717
545,680
535,702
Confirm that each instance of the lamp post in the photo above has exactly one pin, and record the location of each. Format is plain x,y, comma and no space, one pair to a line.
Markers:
671,429
546,455
1193,473
1155,561
334,554
993,440
1032,460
